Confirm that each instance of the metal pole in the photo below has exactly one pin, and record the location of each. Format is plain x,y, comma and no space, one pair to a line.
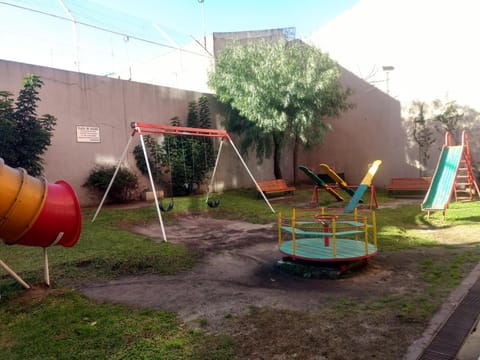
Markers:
203,24
113,177
251,176
14,275
46,272
75,34
210,186
152,184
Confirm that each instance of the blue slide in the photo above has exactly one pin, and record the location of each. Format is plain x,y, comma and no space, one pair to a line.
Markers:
440,191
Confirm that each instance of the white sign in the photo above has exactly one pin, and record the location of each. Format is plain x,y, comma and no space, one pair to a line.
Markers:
89,134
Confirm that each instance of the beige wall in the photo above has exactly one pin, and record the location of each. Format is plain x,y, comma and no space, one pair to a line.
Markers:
372,130
110,104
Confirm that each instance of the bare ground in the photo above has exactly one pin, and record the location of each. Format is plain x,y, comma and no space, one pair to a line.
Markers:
238,289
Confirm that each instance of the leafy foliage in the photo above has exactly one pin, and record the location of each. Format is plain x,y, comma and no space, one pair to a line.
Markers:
123,188
156,159
24,136
287,89
429,120
252,135
188,159
449,118
422,134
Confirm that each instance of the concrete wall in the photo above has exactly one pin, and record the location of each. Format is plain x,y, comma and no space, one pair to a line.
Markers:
110,104
372,130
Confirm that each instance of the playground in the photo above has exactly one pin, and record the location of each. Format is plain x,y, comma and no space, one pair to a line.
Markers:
237,280
235,288
220,270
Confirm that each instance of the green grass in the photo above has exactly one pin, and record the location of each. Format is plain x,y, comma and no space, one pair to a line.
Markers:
104,250
65,324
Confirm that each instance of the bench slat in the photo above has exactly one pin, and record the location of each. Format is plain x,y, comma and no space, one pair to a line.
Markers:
409,184
275,186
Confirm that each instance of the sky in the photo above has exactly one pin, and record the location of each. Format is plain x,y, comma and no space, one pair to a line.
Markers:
430,44
42,37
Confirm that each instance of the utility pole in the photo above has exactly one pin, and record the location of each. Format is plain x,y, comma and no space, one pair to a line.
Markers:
75,34
203,24
387,70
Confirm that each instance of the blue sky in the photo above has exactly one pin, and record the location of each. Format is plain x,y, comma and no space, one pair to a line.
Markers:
429,42
230,15
35,37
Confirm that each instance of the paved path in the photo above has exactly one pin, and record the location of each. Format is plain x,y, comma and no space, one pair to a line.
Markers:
451,333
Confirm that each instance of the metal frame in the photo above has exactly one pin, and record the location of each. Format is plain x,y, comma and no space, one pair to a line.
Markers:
141,128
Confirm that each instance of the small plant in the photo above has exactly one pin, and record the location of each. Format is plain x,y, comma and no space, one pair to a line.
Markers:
123,188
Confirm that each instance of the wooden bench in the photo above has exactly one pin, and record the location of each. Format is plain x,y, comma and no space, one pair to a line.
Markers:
275,186
409,184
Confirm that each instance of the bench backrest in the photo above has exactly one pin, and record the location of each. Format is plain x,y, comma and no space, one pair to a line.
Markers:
266,185
410,183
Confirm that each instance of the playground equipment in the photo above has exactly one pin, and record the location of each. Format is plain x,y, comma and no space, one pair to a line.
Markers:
325,236
319,183
338,180
141,128
453,174
364,185
35,213
340,183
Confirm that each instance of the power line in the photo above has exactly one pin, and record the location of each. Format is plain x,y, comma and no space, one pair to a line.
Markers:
118,33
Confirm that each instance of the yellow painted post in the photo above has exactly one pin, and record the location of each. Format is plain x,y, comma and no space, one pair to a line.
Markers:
334,235
355,218
366,234
279,229
294,240
374,224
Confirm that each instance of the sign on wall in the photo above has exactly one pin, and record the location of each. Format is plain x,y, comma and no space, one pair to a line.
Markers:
88,134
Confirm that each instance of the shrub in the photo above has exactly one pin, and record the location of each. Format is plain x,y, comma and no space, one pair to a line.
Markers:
123,189
25,136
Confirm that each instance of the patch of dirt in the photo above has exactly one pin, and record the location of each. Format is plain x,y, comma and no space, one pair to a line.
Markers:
238,289
36,293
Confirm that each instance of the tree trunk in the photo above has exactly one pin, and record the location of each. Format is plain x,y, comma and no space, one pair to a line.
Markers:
277,150
295,160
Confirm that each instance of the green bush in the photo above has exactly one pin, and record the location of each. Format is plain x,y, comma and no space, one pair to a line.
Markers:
25,136
123,189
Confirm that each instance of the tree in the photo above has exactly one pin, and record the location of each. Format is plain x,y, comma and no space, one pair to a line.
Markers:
188,159
24,135
448,117
205,122
286,89
422,133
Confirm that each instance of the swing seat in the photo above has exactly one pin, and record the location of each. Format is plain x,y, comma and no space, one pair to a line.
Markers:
169,207
213,203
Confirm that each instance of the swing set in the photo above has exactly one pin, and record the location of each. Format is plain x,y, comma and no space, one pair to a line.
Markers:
146,128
